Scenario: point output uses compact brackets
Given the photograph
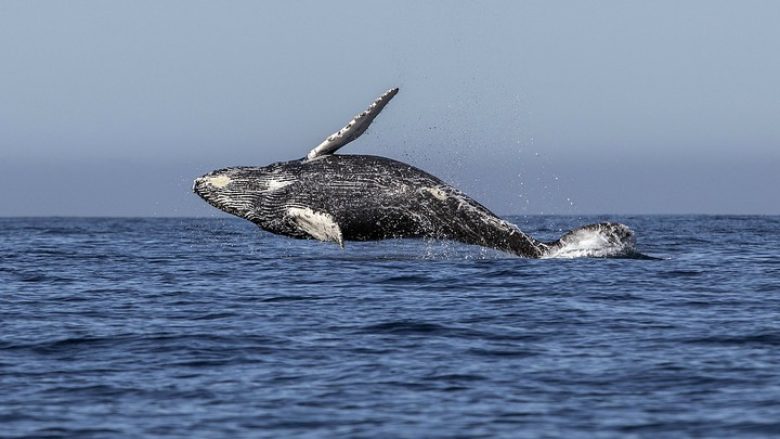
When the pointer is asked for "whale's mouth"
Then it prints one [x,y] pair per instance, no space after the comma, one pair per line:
[201,188]
[603,240]
[210,188]
[196,185]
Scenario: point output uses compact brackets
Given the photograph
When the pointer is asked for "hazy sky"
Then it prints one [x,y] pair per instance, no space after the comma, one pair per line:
[574,107]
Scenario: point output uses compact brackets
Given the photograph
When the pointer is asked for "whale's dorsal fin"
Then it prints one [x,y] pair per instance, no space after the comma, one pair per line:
[357,126]
[318,225]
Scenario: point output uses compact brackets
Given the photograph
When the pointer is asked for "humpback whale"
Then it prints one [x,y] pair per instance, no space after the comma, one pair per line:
[340,197]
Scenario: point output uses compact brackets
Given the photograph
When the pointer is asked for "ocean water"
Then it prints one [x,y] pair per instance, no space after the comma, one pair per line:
[213,328]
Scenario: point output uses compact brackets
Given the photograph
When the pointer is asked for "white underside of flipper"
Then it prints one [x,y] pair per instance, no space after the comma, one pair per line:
[318,225]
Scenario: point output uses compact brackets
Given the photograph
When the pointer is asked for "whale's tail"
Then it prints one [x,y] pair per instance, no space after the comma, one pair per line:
[602,240]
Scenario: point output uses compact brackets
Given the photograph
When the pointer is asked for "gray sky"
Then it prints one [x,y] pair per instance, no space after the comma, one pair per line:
[575,107]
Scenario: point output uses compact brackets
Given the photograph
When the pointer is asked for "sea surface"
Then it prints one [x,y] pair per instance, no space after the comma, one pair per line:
[198,328]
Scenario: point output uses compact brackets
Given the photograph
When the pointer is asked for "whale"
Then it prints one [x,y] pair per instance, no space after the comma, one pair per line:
[336,198]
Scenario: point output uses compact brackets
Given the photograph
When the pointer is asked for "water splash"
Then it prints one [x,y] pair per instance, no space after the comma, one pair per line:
[603,240]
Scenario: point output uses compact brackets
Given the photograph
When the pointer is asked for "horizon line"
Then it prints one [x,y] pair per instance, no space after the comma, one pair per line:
[217,216]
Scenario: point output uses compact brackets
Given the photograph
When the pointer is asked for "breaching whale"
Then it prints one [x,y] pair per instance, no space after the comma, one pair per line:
[336,197]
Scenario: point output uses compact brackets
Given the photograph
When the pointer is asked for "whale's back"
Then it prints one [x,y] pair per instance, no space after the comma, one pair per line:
[376,198]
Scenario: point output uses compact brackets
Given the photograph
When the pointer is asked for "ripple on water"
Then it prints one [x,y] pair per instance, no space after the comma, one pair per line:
[211,328]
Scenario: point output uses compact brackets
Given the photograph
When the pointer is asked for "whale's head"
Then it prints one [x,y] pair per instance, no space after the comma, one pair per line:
[246,192]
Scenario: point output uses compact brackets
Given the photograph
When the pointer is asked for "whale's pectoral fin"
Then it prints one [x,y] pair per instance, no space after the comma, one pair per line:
[318,225]
[357,126]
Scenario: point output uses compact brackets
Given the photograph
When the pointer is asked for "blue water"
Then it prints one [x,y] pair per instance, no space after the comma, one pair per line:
[212,328]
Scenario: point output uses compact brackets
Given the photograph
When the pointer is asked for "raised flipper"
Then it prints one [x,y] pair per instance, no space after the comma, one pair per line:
[318,225]
[357,126]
